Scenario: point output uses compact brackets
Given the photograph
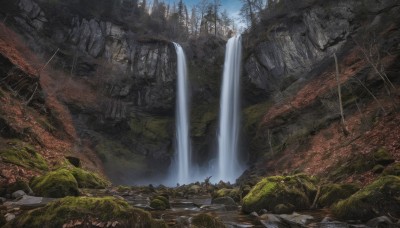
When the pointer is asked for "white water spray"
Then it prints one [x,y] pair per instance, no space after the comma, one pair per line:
[229,167]
[183,145]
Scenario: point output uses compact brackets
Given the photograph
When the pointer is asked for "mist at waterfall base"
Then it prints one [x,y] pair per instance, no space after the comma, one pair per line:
[226,165]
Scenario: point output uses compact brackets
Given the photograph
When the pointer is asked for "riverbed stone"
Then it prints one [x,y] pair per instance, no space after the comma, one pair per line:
[18,194]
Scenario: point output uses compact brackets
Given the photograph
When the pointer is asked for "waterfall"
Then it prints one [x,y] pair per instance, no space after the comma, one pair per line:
[229,167]
[183,146]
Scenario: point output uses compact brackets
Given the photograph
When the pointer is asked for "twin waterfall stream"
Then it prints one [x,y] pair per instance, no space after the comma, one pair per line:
[227,166]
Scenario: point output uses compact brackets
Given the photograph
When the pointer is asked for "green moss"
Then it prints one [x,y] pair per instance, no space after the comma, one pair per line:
[122,188]
[206,221]
[382,157]
[235,193]
[151,127]
[86,210]
[22,154]
[202,117]
[252,116]
[332,193]
[379,198]
[284,209]
[394,169]
[164,200]
[88,179]
[271,191]
[158,204]
[56,184]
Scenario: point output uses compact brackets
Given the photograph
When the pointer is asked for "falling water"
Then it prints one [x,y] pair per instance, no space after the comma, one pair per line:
[183,147]
[229,167]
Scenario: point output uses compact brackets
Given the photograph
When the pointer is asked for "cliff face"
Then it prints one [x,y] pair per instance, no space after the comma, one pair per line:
[119,86]
[296,126]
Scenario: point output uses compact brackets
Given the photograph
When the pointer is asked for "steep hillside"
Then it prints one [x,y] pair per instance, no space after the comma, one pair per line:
[298,126]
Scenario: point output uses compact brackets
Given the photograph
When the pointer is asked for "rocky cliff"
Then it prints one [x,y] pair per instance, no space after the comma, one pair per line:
[290,61]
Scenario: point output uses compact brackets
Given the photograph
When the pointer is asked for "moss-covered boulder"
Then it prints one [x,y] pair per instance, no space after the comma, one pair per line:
[87,211]
[206,221]
[86,179]
[22,154]
[158,204]
[379,198]
[164,200]
[56,184]
[393,169]
[234,193]
[332,193]
[298,190]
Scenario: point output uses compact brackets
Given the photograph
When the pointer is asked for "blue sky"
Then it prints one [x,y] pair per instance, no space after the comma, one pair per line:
[232,6]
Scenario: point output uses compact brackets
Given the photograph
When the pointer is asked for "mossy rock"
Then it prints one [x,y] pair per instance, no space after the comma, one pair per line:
[22,154]
[382,157]
[86,179]
[382,197]
[164,200]
[394,169]
[56,184]
[332,193]
[158,204]
[206,221]
[226,192]
[88,211]
[271,191]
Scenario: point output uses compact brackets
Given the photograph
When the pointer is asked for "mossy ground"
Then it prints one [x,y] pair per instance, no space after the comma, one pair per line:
[56,184]
[22,154]
[87,210]
[206,221]
[394,169]
[332,193]
[382,197]
[298,190]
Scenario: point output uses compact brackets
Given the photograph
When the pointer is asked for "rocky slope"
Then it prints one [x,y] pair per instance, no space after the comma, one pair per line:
[297,127]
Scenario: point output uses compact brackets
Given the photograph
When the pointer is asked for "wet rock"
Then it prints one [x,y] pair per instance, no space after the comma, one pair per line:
[272,221]
[213,207]
[382,221]
[18,194]
[284,208]
[9,217]
[229,203]
[296,219]
[254,214]
[2,200]
[29,202]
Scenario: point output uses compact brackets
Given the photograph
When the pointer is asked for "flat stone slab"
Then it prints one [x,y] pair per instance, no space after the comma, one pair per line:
[30,202]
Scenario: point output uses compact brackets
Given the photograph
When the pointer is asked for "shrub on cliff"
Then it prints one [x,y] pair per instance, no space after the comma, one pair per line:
[382,197]
[298,190]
